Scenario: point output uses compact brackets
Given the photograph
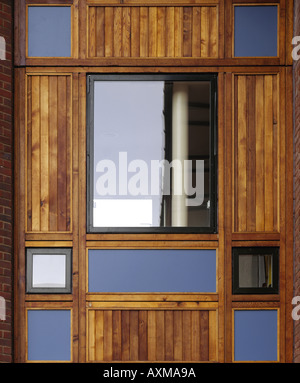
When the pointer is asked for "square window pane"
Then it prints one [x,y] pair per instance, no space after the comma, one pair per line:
[49,335]
[152,153]
[255,335]
[48,270]
[255,270]
[255,31]
[49,31]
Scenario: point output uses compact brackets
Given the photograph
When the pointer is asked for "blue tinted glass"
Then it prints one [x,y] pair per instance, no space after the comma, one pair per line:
[49,335]
[255,31]
[152,271]
[49,31]
[255,335]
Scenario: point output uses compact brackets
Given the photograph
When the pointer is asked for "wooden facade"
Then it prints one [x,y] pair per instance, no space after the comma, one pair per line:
[255,174]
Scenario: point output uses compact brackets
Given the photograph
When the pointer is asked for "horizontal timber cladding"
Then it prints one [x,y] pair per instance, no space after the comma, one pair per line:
[152,335]
[256,153]
[153,31]
[49,148]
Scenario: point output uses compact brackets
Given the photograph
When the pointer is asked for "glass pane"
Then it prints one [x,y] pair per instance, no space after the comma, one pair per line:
[255,271]
[49,270]
[152,151]
[49,335]
[49,31]
[255,335]
[255,31]
[152,271]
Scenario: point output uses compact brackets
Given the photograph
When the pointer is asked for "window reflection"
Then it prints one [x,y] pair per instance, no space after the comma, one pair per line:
[152,154]
[255,271]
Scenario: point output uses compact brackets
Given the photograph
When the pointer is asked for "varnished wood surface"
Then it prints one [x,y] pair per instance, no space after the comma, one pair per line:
[152,335]
[255,174]
[152,31]
[49,153]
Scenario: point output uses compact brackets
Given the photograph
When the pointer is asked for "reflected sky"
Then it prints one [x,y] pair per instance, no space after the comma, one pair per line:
[129,118]
[134,126]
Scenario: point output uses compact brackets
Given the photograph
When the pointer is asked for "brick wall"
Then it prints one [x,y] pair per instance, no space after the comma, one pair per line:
[297,178]
[6,179]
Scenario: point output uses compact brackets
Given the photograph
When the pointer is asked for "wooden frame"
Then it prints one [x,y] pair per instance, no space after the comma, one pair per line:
[228,68]
[80,54]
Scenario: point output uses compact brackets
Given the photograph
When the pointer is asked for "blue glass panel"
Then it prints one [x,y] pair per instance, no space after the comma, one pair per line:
[49,31]
[255,335]
[255,31]
[152,271]
[49,335]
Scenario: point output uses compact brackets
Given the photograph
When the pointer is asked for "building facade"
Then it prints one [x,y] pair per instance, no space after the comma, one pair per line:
[103,256]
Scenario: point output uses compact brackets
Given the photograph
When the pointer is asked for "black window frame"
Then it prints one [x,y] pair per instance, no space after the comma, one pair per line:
[29,271]
[236,252]
[212,78]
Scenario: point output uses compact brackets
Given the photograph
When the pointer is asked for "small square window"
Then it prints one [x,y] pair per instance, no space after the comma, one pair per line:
[48,270]
[152,165]
[255,31]
[255,270]
[49,31]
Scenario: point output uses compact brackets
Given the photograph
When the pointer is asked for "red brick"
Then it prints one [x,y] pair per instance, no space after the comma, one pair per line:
[6,187]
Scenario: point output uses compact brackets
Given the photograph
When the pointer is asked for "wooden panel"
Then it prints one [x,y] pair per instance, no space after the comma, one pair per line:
[152,335]
[153,31]
[256,153]
[49,153]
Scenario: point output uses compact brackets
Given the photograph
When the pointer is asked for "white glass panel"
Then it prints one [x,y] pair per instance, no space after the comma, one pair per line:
[49,270]
[122,212]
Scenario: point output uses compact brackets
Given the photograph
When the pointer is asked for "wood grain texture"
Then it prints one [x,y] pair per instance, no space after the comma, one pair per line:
[49,153]
[152,335]
[256,153]
[156,31]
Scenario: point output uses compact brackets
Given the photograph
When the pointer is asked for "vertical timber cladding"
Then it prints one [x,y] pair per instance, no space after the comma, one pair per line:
[49,148]
[187,36]
[256,153]
[152,335]
[152,31]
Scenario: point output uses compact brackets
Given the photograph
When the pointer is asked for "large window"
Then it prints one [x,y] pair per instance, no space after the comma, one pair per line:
[151,153]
